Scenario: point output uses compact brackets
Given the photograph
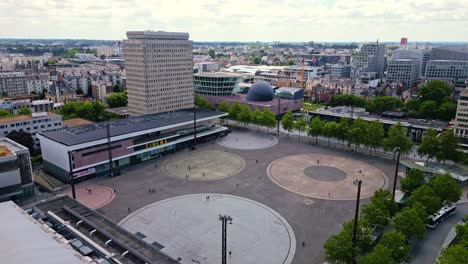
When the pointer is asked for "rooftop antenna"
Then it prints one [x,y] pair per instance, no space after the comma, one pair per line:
[377,40]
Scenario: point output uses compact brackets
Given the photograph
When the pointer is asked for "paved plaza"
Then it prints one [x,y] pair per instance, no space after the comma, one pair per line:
[93,197]
[204,166]
[245,139]
[188,227]
[312,220]
[326,176]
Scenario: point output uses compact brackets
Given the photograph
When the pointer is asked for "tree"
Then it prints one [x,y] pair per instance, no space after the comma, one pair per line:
[224,107]
[427,197]
[396,243]
[315,128]
[212,54]
[339,247]
[79,90]
[380,255]
[24,111]
[256,60]
[357,134]
[435,90]
[300,125]
[409,223]
[234,111]
[412,105]
[117,99]
[462,233]
[427,109]
[347,100]
[23,138]
[202,102]
[116,88]
[329,130]
[455,254]
[375,135]
[413,180]
[396,137]
[385,197]
[446,188]
[375,213]
[287,122]
[430,144]
[4,94]
[245,115]
[4,113]
[447,111]
[342,129]
[269,118]
[449,145]
[381,104]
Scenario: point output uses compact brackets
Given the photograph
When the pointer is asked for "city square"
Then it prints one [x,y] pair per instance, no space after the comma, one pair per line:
[312,217]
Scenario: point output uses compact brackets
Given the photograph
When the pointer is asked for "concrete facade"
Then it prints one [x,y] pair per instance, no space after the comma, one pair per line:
[340,71]
[13,83]
[448,70]
[370,58]
[450,53]
[403,71]
[159,68]
[422,55]
[461,119]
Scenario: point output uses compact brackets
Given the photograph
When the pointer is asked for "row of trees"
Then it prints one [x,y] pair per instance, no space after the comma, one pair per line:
[21,111]
[442,147]
[91,110]
[425,199]
[434,101]
[243,114]
[117,99]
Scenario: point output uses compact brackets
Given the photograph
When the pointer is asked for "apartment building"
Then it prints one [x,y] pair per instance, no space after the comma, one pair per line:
[159,68]
[13,83]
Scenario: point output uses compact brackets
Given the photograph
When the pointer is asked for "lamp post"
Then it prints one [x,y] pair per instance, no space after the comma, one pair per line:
[109,149]
[396,171]
[224,220]
[356,216]
[278,116]
[72,178]
[194,128]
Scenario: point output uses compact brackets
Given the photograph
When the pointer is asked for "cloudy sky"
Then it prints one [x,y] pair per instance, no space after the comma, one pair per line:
[239,20]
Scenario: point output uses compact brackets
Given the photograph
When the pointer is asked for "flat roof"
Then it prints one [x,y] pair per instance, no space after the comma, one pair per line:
[25,241]
[82,134]
[76,122]
[218,74]
[12,119]
[10,145]
[289,89]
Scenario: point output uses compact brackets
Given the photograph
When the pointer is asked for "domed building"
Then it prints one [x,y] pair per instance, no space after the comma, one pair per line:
[260,91]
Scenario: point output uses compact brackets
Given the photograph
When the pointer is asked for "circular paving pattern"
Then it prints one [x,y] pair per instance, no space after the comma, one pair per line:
[204,165]
[93,197]
[326,176]
[188,227]
[247,140]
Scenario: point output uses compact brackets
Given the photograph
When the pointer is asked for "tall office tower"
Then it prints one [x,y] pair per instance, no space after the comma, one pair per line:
[370,58]
[422,55]
[448,70]
[159,68]
[403,71]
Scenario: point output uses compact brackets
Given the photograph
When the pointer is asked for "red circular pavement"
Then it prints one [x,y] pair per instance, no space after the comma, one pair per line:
[93,197]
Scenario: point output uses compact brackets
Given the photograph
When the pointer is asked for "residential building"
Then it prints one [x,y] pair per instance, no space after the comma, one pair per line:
[207,66]
[33,105]
[403,71]
[16,178]
[340,71]
[450,52]
[422,55]
[100,89]
[34,123]
[38,82]
[84,57]
[107,51]
[13,83]
[369,59]
[461,119]
[159,67]
[216,83]
[133,140]
[448,70]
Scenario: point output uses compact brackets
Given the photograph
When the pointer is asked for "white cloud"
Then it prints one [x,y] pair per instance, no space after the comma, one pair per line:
[239,20]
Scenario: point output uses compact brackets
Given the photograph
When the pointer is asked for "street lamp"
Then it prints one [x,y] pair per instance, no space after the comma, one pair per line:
[278,116]
[194,128]
[225,219]
[356,216]
[396,170]
[72,178]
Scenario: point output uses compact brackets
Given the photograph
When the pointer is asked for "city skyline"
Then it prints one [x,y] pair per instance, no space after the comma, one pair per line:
[243,21]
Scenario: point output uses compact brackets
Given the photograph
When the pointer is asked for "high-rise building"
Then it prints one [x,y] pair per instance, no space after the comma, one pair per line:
[340,71]
[403,42]
[370,58]
[459,53]
[217,83]
[403,71]
[448,70]
[159,69]
[422,55]
[461,119]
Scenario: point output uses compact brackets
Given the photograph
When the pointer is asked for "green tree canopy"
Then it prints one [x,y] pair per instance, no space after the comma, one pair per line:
[435,90]
[202,102]
[342,129]
[430,144]
[396,243]
[375,134]
[446,188]
[381,104]
[79,90]
[380,255]
[300,125]
[269,118]
[413,180]
[427,109]
[412,105]
[116,88]
[347,100]
[316,128]
[117,100]
[245,115]
[357,134]
[23,138]
[462,233]
[91,110]
[410,223]
[287,122]
[5,113]
[24,111]
[449,144]
[234,111]
[224,107]
[447,111]
[375,213]
[455,254]
[396,137]
[427,197]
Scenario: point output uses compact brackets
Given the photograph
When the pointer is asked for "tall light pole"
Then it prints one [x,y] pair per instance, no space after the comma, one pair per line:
[109,149]
[278,116]
[356,216]
[224,220]
[72,178]
[396,171]
[194,128]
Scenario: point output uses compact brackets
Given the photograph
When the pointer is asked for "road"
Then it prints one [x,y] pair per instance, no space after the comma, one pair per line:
[425,251]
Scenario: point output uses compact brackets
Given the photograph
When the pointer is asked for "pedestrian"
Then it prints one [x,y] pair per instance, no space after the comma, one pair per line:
[237,185]
[229,253]
[129,210]
[256,161]
[89,191]
[329,194]
[203,174]
[114,191]
[360,171]
[303,243]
